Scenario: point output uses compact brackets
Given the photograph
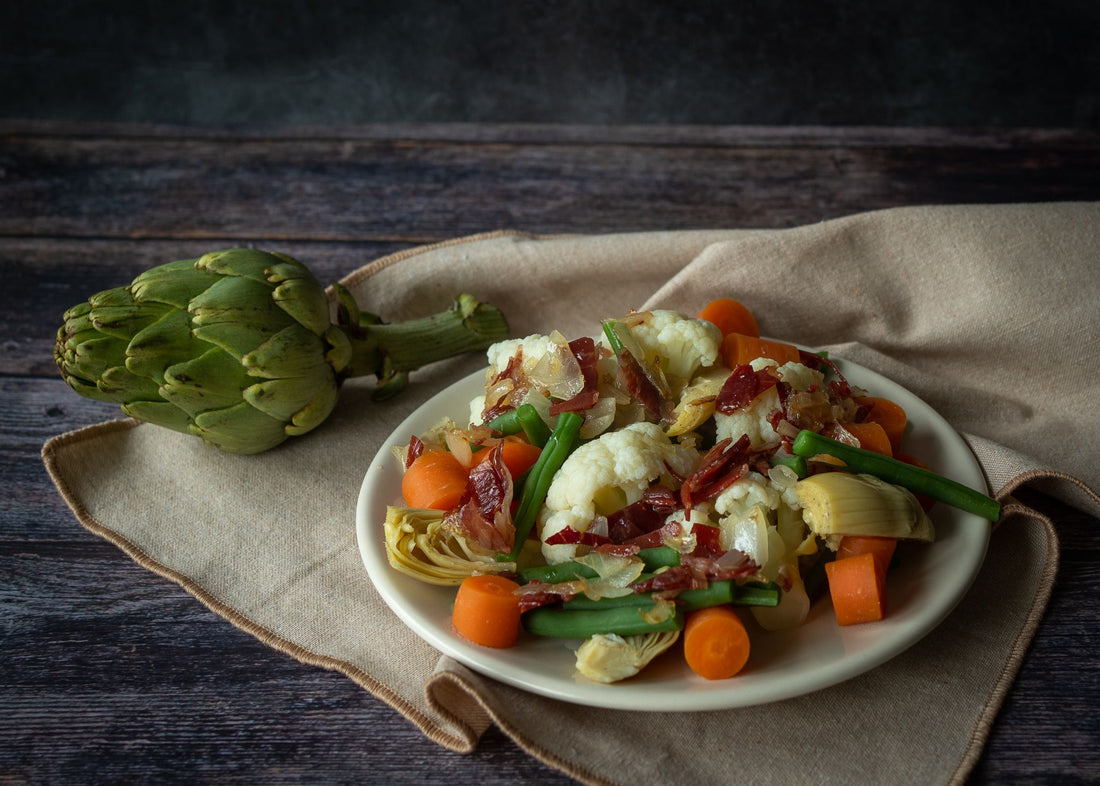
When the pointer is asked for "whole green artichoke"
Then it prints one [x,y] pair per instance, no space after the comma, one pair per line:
[238,348]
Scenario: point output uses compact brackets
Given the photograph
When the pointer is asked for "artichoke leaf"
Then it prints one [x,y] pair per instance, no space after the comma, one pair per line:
[160,413]
[119,384]
[292,352]
[314,413]
[236,300]
[93,391]
[118,296]
[284,398]
[238,429]
[80,311]
[162,344]
[248,263]
[124,320]
[236,339]
[340,351]
[77,321]
[302,298]
[213,380]
[114,385]
[89,356]
[173,283]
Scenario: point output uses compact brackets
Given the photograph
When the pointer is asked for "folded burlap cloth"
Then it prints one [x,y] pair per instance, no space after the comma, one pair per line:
[988,313]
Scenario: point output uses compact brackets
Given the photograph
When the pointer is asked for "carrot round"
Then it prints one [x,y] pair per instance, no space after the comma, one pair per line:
[731,316]
[486,611]
[871,436]
[436,479]
[716,644]
[887,414]
[739,349]
[858,589]
[517,456]
[881,547]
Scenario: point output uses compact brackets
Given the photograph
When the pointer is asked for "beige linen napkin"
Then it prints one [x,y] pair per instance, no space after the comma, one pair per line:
[986,312]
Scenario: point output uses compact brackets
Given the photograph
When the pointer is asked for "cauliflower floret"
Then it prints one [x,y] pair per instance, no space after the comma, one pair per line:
[683,344]
[746,520]
[606,474]
[534,347]
[759,515]
[547,370]
[753,419]
[800,377]
[751,490]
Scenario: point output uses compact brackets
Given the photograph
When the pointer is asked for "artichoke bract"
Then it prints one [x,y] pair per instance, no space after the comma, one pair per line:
[238,347]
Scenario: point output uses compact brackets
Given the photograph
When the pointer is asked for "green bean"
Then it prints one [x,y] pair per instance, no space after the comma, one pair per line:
[652,560]
[610,329]
[523,418]
[659,557]
[717,593]
[916,479]
[554,453]
[585,603]
[624,621]
[751,593]
[506,423]
[552,574]
[815,579]
[797,463]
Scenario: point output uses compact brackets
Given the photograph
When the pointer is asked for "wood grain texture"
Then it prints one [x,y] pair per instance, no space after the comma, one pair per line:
[416,191]
[112,674]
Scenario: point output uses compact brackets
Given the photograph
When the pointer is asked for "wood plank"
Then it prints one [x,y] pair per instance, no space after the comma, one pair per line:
[409,191]
[151,686]
[650,134]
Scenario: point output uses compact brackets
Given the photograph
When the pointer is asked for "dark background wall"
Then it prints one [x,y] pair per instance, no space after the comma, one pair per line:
[760,62]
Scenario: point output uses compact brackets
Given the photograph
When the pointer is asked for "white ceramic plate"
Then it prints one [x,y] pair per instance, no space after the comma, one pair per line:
[922,590]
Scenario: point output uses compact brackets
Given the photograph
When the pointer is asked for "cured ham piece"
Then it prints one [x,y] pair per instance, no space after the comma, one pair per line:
[484,513]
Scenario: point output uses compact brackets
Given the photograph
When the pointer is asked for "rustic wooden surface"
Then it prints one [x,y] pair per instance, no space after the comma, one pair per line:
[112,674]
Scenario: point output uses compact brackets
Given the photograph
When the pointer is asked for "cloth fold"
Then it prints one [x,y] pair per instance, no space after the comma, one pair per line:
[985,312]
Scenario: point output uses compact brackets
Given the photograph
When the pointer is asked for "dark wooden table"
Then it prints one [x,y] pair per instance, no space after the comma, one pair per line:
[112,674]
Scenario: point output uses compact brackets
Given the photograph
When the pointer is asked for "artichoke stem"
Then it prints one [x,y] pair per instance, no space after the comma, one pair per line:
[390,350]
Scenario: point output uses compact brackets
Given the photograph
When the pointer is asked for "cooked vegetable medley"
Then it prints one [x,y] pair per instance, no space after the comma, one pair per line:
[655,489]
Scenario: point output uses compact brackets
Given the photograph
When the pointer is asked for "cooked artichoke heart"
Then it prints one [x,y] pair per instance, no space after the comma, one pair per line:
[697,402]
[611,658]
[835,504]
[419,544]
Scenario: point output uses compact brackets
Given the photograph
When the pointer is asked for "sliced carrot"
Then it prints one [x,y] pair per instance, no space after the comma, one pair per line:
[881,547]
[739,349]
[517,456]
[857,588]
[731,316]
[871,436]
[487,611]
[716,644]
[436,479]
[887,414]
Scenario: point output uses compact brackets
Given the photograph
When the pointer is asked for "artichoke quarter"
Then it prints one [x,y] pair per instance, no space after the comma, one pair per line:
[238,347]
